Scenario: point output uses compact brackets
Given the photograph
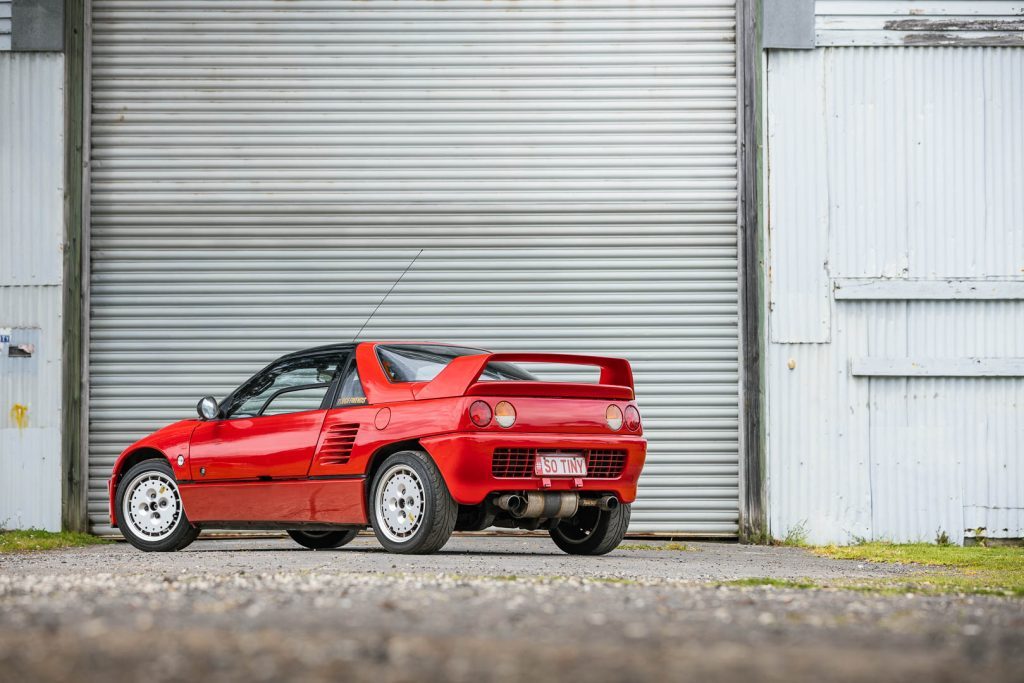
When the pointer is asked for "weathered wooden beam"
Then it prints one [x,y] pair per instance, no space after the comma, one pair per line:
[753,518]
[74,482]
[956,23]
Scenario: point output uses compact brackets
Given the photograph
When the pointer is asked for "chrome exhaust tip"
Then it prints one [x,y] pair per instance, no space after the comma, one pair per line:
[510,502]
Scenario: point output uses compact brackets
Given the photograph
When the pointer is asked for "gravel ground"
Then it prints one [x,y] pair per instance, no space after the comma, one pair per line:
[266,610]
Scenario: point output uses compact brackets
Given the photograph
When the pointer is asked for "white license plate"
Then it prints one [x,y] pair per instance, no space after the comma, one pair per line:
[560,466]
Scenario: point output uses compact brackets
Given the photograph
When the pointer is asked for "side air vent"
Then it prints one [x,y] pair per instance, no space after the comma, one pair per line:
[337,446]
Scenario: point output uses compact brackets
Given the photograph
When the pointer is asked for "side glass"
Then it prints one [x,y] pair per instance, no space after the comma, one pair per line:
[351,390]
[300,400]
[288,387]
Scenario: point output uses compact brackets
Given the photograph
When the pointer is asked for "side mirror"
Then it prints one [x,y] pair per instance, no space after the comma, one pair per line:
[208,408]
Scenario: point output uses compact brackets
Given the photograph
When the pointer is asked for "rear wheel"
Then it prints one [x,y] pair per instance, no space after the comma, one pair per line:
[592,531]
[150,512]
[322,540]
[410,508]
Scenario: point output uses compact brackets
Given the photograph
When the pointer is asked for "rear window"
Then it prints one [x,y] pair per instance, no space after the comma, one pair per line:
[422,363]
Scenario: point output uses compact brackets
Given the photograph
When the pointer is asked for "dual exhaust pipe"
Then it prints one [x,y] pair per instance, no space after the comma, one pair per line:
[551,505]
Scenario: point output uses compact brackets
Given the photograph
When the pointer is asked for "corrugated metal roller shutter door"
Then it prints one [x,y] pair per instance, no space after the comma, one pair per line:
[263,171]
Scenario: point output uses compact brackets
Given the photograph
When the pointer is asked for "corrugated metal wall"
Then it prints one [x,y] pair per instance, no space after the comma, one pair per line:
[31,235]
[5,25]
[263,171]
[894,195]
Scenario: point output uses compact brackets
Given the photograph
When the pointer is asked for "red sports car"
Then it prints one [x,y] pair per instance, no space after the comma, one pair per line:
[415,440]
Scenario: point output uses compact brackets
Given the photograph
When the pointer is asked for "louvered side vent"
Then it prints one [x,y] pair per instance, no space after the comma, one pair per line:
[337,446]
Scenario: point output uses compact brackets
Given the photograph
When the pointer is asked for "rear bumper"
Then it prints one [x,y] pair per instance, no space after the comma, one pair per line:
[465,460]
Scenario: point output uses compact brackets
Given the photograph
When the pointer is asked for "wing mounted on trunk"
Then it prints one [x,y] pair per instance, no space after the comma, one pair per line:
[461,378]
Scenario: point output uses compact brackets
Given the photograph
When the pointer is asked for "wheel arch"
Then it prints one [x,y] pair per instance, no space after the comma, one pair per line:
[133,458]
[382,454]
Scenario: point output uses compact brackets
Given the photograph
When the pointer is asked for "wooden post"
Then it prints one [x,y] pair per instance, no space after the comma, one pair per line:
[74,481]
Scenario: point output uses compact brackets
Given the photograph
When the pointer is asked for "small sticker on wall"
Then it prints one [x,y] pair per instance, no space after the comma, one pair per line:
[5,339]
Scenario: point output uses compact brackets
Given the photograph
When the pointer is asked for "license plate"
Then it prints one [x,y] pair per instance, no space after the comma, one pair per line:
[560,466]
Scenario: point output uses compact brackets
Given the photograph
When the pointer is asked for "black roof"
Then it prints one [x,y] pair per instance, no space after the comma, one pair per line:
[347,347]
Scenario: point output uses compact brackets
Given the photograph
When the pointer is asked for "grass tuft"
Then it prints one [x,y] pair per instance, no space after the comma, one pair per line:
[796,537]
[977,569]
[775,583]
[28,540]
[668,547]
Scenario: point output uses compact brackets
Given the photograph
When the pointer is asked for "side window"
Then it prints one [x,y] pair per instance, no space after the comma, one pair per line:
[351,391]
[297,401]
[289,387]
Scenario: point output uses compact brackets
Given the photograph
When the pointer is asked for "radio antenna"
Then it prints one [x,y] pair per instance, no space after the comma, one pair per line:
[387,295]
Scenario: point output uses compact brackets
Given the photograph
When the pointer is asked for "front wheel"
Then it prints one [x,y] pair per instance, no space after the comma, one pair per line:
[152,517]
[322,540]
[592,531]
[411,510]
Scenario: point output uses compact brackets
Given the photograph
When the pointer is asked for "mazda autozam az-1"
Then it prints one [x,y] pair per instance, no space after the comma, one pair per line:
[415,440]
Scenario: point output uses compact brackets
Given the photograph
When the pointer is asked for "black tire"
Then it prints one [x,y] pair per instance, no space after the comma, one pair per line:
[179,534]
[322,540]
[592,531]
[434,519]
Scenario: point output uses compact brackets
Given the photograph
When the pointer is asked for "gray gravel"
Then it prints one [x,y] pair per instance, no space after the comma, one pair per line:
[264,610]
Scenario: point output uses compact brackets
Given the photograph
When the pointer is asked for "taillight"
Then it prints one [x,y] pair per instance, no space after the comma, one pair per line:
[505,414]
[614,417]
[632,418]
[480,413]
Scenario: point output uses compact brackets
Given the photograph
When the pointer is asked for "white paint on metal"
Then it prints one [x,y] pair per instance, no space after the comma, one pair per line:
[798,284]
[875,289]
[937,367]
[925,158]
[31,233]
[262,172]
[946,23]
[5,25]
[31,169]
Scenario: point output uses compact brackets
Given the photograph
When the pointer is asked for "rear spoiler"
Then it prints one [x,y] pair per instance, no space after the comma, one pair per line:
[460,377]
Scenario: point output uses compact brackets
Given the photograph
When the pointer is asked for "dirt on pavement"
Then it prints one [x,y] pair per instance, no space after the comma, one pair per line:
[484,609]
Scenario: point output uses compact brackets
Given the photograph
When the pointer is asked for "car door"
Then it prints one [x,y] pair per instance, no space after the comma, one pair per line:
[271,423]
[347,429]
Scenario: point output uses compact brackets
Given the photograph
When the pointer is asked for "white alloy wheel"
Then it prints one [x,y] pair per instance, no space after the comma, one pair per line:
[151,506]
[400,502]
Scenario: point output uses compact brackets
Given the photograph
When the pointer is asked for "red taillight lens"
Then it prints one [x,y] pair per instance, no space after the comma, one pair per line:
[614,417]
[632,418]
[480,413]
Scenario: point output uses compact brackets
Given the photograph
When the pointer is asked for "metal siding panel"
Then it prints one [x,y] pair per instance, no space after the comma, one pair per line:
[31,232]
[30,454]
[798,278]
[922,155]
[5,25]
[31,168]
[261,174]
[911,114]
[818,428]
